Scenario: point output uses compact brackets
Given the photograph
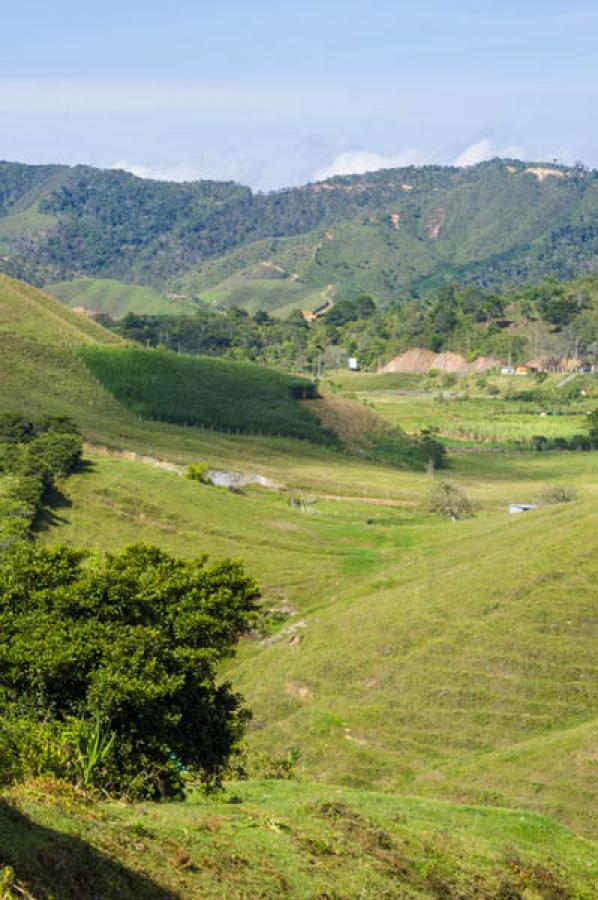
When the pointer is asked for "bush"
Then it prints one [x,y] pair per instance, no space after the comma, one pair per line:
[451,501]
[557,494]
[198,472]
[32,456]
[124,650]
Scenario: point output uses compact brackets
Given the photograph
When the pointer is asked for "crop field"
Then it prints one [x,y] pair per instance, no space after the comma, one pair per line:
[465,416]
[212,393]
[476,421]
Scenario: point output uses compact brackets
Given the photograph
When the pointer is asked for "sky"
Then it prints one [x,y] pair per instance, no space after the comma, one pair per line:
[279,93]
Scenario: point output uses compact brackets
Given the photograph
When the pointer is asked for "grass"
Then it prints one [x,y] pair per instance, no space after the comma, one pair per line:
[208,392]
[443,663]
[31,315]
[116,299]
[265,838]
[278,296]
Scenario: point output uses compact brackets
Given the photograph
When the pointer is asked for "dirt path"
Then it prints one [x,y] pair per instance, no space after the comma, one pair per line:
[371,501]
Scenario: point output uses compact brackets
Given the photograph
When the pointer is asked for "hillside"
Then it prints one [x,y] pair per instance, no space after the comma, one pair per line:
[267,838]
[108,296]
[391,232]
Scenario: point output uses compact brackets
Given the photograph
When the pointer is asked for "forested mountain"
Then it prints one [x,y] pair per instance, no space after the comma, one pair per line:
[392,232]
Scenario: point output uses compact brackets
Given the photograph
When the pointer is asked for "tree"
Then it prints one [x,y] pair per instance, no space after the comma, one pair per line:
[131,642]
[450,501]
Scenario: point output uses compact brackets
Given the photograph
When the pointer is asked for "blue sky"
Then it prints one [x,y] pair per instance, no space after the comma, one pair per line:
[279,93]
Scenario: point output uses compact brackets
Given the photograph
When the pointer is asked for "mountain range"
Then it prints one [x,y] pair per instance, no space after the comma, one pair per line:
[389,233]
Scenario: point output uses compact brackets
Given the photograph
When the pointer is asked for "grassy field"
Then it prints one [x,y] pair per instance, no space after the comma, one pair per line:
[207,392]
[278,296]
[31,315]
[265,838]
[465,415]
[115,298]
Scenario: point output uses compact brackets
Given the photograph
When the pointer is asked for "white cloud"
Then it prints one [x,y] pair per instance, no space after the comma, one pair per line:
[176,172]
[356,162]
[486,149]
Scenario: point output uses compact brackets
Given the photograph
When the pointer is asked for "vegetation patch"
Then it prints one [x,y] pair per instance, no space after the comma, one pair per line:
[206,392]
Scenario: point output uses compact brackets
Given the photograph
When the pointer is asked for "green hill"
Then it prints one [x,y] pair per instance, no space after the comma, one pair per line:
[388,233]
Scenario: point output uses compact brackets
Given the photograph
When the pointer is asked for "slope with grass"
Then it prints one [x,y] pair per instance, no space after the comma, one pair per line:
[265,838]
[116,299]
[400,663]
[402,653]
[443,660]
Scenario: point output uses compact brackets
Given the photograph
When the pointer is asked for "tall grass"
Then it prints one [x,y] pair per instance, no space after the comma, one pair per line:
[213,393]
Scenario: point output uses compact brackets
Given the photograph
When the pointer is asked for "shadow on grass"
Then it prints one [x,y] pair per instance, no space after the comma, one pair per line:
[49,515]
[55,500]
[52,864]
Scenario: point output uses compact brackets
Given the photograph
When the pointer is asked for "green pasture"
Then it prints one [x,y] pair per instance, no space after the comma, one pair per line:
[451,642]
[451,663]
[278,296]
[116,299]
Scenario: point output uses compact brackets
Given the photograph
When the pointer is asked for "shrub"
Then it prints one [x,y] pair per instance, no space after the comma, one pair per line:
[33,455]
[198,472]
[125,650]
[557,494]
[449,500]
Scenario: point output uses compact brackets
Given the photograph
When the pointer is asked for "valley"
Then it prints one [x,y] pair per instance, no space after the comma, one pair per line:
[423,691]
